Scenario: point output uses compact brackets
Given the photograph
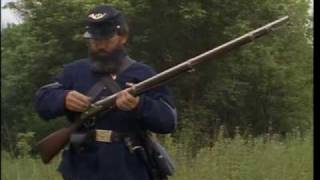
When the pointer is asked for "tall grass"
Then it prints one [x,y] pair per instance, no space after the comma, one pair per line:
[261,158]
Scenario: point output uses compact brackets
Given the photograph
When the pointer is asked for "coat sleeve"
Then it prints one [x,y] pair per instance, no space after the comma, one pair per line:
[156,109]
[50,98]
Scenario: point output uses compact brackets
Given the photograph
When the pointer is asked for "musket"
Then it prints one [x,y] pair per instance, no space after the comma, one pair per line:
[51,145]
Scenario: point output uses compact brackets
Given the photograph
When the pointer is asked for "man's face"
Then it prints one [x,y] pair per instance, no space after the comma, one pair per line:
[106,54]
[107,45]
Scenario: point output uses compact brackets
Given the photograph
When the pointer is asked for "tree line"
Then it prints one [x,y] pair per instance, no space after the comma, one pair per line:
[262,87]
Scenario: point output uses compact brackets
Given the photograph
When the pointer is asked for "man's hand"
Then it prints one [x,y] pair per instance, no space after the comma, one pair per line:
[75,101]
[125,101]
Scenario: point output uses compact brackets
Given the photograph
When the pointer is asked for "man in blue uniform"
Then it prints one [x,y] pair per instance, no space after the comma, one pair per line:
[77,86]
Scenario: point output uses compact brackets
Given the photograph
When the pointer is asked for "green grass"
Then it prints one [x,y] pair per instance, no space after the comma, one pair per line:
[263,158]
[249,159]
[27,168]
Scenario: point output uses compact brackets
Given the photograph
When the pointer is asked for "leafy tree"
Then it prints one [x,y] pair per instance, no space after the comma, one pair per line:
[266,84]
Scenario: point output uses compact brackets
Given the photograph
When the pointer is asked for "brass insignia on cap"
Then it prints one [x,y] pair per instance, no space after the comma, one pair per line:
[97,16]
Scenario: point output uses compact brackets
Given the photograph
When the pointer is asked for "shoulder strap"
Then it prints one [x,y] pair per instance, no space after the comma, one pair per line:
[97,88]
[108,82]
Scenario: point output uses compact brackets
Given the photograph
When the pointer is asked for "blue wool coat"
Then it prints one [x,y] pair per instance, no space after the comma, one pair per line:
[111,161]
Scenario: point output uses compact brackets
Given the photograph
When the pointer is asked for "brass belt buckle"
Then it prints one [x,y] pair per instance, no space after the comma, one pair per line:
[103,135]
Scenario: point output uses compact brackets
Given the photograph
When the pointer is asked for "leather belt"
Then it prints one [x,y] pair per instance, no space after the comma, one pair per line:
[108,136]
[81,141]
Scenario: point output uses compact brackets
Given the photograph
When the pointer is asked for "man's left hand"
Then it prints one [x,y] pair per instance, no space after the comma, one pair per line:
[125,101]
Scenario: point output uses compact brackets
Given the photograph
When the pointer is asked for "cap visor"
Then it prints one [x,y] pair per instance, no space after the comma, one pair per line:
[88,35]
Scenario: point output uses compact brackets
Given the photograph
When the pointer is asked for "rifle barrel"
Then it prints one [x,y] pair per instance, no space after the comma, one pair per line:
[190,63]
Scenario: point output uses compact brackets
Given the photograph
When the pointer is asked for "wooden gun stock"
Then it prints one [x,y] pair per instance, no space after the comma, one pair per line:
[51,145]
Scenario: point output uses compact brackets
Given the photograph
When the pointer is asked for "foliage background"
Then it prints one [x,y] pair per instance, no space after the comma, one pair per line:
[262,87]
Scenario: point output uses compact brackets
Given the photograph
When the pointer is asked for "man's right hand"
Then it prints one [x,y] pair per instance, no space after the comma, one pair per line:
[75,101]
